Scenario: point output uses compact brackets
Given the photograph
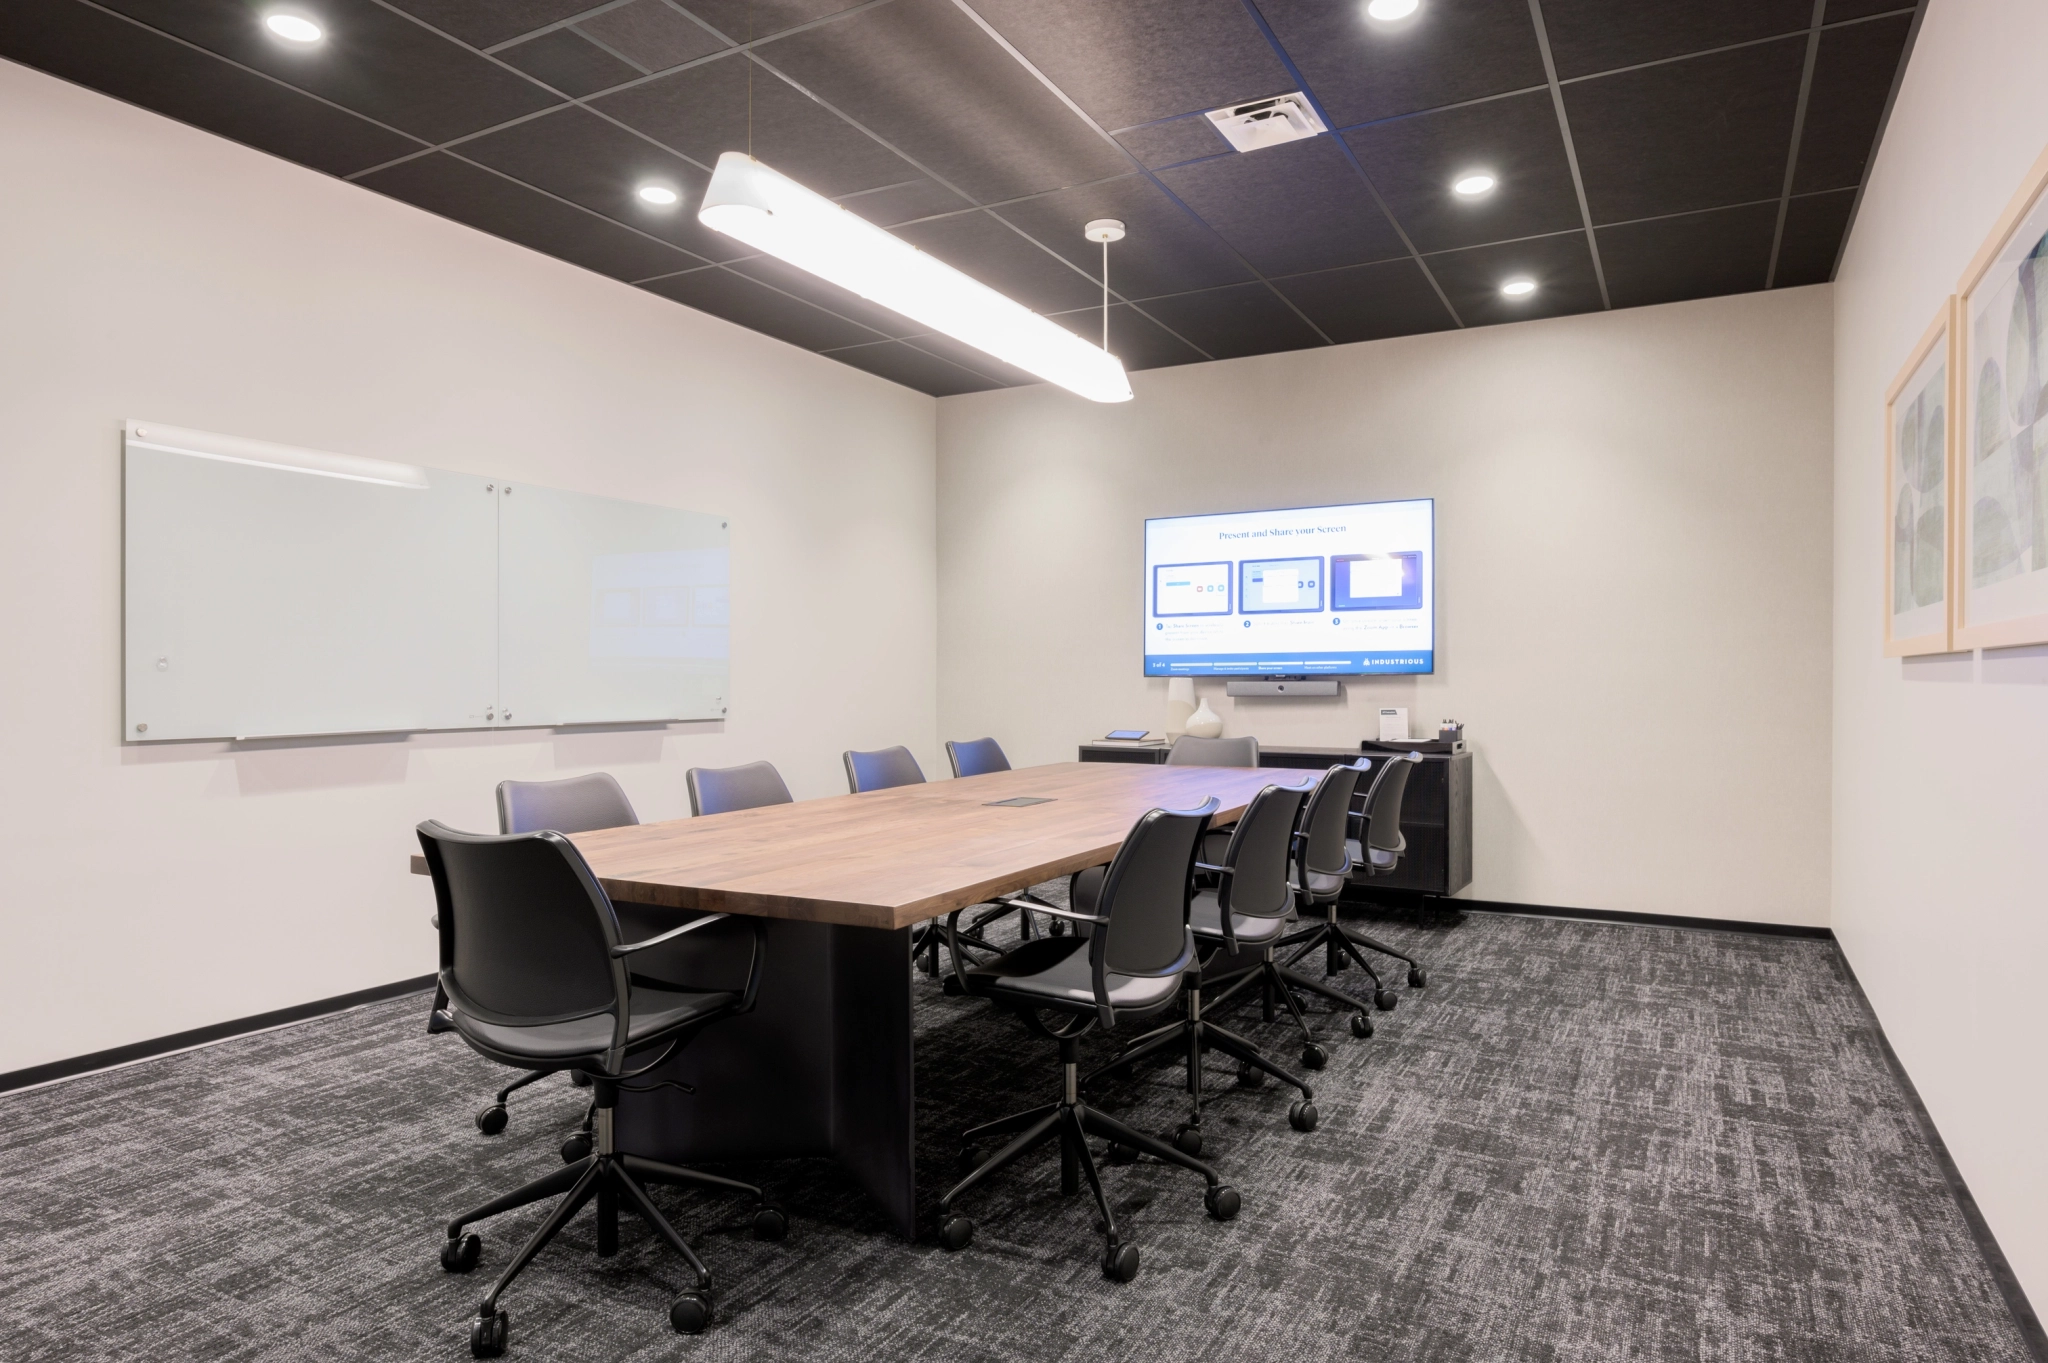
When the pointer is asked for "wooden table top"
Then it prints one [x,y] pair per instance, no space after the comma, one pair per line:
[891,858]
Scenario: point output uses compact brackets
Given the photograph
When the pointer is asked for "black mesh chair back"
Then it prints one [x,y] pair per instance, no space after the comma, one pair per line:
[576,805]
[1325,825]
[1382,840]
[976,757]
[719,790]
[1260,850]
[526,931]
[1145,894]
[890,767]
[1189,751]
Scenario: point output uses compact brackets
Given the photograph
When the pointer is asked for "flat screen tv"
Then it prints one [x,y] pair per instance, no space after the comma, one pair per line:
[1311,591]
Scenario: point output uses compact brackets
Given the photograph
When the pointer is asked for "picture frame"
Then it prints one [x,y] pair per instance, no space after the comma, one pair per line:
[1919,495]
[2001,429]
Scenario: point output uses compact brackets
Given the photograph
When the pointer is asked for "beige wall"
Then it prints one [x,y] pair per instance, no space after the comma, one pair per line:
[1633,550]
[149,270]
[1941,764]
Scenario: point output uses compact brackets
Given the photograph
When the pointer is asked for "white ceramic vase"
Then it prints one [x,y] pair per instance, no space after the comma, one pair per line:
[1180,703]
[1204,722]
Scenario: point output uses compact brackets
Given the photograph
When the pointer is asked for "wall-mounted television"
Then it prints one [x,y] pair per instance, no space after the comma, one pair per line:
[1309,591]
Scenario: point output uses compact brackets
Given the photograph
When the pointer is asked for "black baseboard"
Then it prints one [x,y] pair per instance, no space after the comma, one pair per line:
[1411,899]
[1980,1230]
[199,1036]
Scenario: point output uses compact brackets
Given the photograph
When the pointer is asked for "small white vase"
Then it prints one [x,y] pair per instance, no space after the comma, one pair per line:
[1204,722]
[1180,703]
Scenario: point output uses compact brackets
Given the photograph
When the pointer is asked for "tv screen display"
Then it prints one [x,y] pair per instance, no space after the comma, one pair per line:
[1312,591]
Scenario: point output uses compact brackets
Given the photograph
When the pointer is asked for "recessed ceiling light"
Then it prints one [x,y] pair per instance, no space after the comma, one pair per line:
[661,196]
[294,28]
[1519,288]
[1472,186]
[1387,10]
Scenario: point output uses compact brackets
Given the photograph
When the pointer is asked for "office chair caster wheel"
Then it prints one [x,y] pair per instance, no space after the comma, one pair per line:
[1314,1057]
[1417,977]
[1188,1139]
[955,1232]
[579,1079]
[1119,1153]
[770,1223]
[576,1147]
[1222,1202]
[1361,1025]
[1120,1263]
[492,1119]
[1250,1076]
[951,985]
[1056,928]
[1385,999]
[690,1312]
[460,1255]
[487,1335]
[1300,1003]
[1303,1116]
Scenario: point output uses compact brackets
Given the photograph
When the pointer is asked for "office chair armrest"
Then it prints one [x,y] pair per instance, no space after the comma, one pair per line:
[628,948]
[1219,870]
[1062,913]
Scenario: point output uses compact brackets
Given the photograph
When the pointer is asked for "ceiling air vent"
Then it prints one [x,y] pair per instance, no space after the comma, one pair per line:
[1267,122]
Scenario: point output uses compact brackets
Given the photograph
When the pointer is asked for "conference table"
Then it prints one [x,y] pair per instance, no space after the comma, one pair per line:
[823,1066]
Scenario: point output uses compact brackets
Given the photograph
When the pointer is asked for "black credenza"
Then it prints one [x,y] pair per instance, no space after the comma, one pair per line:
[1436,811]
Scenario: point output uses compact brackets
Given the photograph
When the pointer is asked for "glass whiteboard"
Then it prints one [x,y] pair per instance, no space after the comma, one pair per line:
[272,592]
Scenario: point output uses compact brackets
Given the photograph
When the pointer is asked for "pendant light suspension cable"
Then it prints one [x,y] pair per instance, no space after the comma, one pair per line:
[1104,230]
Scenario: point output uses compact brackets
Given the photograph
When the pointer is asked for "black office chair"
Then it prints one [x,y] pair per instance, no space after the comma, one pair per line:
[1130,965]
[538,978]
[1378,846]
[1249,908]
[976,757]
[719,790]
[575,805]
[1325,862]
[1190,751]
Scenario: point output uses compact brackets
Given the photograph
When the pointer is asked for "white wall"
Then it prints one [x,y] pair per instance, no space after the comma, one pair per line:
[1941,765]
[1633,540]
[153,271]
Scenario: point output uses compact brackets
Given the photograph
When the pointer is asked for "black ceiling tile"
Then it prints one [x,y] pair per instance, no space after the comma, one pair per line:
[490,203]
[970,358]
[913,368]
[1164,250]
[1413,162]
[1369,302]
[922,75]
[1598,35]
[984,249]
[129,62]
[1852,79]
[760,308]
[652,33]
[1242,319]
[1814,226]
[1451,50]
[565,60]
[702,112]
[574,153]
[1562,267]
[782,275]
[1170,143]
[1839,10]
[1702,133]
[1289,209]
[1700,255]
[1134,338]
[1143,59]
[734,18]
[483,23]
[373,61]
[893,204]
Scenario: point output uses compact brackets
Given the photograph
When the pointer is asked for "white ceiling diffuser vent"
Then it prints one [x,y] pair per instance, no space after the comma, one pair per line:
[1267,122]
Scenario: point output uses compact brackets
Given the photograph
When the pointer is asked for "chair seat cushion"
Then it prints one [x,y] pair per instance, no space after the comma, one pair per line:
[1205,916]
[1055,971]
[655,1013]
[1379,858]
[1322,886]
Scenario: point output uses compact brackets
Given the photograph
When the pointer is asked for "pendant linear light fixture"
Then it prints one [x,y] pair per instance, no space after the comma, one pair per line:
[773,213]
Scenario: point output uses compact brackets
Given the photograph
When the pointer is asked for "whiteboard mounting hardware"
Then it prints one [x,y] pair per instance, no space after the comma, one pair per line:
[1268,122]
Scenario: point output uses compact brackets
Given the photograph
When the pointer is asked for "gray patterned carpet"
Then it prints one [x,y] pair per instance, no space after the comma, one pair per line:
[1582,1142]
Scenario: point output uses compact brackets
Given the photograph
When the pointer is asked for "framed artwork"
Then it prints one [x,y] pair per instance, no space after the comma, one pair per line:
[2001,522]
[1919,472]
